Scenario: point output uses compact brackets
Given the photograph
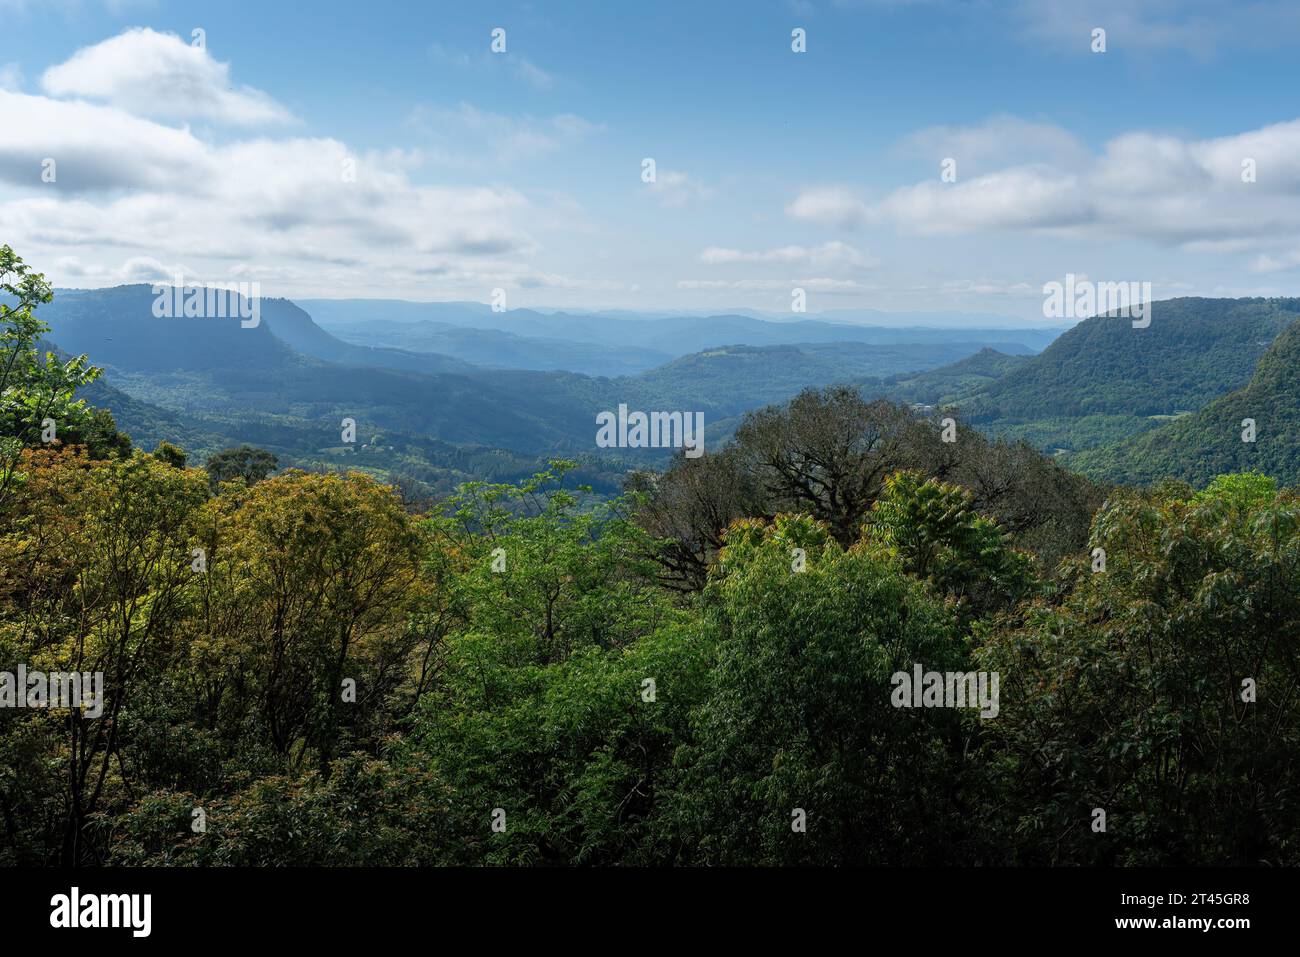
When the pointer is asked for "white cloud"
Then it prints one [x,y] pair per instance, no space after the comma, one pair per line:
[135,199]
[1022,198]
[160,75]
[128,187]
[1001,140]
[819,283]
[990,287]
[828,255]
[830,206]
[676,189]
[1203,28]
[1129,24]
[1159,188]
[485,62]
[148,269]
[1266,263]
[283,198]
[95,147]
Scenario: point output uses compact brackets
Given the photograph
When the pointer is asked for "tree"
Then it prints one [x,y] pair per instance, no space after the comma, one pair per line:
[542,706]
[934,529]
[798,716]
[688,508]
[98,578]
[246,462]
[310,581]
[827,454]
[1162,688]
[37,391]
[544,565]
[171,454]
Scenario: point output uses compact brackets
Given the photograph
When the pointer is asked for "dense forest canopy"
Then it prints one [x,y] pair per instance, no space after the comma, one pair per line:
[308,668]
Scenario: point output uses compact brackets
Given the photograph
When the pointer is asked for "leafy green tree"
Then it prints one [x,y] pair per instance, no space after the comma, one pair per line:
[799,715]
[827,453]
[577,754]
[1161,688]
[543,565]
[567,681]
[1242,491]
[935,530]
[37,391]
[367,813]
[171,454]
[246,462]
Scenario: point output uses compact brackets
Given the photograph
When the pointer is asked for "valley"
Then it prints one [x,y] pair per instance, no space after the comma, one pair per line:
[438,419]
[286,384]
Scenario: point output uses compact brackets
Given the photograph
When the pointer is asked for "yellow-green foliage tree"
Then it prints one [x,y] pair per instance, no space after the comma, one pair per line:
[311,581]
[95,558]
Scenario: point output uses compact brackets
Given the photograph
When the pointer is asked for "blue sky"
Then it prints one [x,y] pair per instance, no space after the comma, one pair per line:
[522,170]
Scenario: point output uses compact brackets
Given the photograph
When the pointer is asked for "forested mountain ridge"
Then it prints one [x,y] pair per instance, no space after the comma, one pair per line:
[1193,350]
[1197,447]
[216,368]
[118,325]
[950,383]
[1104,380]
[737,378]
[287,384]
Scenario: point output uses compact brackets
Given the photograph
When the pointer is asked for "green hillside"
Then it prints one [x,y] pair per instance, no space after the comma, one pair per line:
[736,378]
[1103,380]
[430,464]
[287,384]
[952,382]
[148,424]
[1198,447]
